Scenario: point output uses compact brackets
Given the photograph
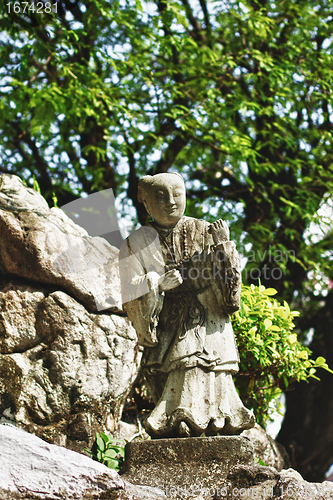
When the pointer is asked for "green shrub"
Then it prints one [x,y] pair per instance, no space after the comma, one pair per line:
[271,357]
[108,451]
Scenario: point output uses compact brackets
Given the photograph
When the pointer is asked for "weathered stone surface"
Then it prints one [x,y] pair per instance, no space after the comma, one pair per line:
[45,246]
[34,469]
[18,309]
[15,195]
[266,448]
[64,372]
[266,483]
[127,431]
[185,464]
[135,492]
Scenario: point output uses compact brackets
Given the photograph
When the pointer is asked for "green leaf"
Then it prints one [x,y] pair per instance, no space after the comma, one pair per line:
[106,438]
[110,454]
[270,291]
[267,323]
[100,442]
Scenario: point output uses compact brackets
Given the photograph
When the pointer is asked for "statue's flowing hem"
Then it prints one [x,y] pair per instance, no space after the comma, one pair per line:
[207,404]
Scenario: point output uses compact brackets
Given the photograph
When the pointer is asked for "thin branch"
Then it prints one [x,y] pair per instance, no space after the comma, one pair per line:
[207,22]
[196,26]
[174,148]
[41,69]
[40,163]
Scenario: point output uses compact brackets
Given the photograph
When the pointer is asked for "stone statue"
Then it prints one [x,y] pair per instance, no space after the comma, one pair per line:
[180,282]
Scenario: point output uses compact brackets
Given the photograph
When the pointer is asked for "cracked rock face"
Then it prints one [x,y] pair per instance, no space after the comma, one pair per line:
[44,246]
[65,369]
[33,469]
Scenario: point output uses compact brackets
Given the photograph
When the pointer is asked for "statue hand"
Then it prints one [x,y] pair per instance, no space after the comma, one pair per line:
[170,280]
[220,231]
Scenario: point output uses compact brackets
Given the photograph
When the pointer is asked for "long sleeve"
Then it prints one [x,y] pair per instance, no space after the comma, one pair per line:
[141,298]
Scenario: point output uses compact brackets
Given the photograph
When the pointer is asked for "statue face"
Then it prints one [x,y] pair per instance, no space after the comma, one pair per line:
[166,199]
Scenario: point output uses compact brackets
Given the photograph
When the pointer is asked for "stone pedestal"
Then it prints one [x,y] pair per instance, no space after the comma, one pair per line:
[185,466]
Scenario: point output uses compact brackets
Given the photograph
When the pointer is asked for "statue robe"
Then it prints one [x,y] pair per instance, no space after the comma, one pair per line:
[190,351]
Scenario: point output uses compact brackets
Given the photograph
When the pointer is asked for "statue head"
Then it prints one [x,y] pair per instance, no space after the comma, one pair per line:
[164,197]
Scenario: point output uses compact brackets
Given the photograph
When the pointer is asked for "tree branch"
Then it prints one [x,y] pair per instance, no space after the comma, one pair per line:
[168,156]
[196,26]
[207,22]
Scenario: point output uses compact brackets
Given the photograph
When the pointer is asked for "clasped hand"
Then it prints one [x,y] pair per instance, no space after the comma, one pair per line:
[170,280]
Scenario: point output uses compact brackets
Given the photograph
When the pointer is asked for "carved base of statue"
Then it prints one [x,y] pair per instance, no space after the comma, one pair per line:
[186,468]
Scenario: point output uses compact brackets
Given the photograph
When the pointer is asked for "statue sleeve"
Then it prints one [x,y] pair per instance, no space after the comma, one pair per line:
[226,276]
[141,298]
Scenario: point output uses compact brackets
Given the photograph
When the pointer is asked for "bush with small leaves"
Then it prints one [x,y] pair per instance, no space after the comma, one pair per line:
[271,357]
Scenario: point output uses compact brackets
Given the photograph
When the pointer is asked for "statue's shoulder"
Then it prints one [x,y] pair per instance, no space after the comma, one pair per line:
[195,224]
[138,240]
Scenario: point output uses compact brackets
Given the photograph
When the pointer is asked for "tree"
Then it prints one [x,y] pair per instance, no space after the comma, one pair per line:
[235,96]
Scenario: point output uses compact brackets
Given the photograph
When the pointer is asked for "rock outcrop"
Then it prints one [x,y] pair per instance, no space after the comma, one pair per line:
[68,356]
[266,448]
[45,246]
[33,469]
[266,483]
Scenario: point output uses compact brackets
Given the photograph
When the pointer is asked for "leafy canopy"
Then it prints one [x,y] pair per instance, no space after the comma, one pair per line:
[237,96]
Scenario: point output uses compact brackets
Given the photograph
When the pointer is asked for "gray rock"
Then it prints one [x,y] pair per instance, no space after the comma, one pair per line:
[19,304]
[128,431]
[135,492]
[32,468]
[35,470]
[15,195]
[70,370]
[266,483]
[66,364]
[266,448]
[45,246]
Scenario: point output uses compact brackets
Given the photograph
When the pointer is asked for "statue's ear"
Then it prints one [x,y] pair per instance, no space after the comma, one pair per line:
[143,186]
[146,206]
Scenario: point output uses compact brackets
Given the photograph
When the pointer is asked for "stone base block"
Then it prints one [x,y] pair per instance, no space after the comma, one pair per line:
[185,466]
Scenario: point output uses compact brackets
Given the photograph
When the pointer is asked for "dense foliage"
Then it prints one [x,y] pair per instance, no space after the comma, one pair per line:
[236,95]
[271,357]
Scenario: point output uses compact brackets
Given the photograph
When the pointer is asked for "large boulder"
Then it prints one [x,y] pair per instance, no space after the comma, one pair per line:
[45,246]
[65,368]
[33,469]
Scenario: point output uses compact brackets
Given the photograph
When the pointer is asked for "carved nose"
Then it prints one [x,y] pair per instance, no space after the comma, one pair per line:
[171,200]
